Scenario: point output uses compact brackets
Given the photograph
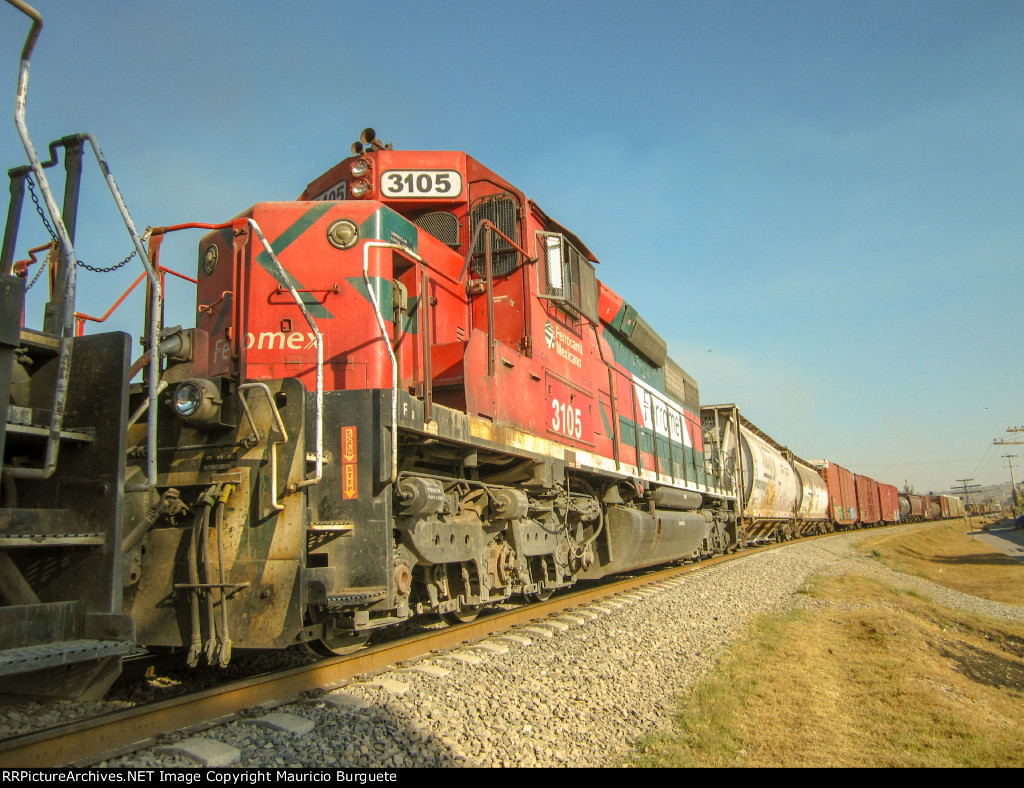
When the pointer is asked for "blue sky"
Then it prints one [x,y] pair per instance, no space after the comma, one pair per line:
[817,204]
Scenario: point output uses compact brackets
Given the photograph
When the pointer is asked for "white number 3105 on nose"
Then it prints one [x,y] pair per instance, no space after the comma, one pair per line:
[421,183]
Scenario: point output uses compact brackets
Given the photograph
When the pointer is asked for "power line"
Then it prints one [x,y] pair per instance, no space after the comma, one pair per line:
[933,462]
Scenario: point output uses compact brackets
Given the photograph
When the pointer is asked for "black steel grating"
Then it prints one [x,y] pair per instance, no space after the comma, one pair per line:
[502,211]
[648,343]
[681,387]
[443,225]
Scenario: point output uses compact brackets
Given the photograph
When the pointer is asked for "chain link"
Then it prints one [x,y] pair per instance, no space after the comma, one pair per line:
[53,235]
[35,278]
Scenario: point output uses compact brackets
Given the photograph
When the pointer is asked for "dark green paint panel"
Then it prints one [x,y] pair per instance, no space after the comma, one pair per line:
[390,227]
[282,242]
[634,363]
[693,460]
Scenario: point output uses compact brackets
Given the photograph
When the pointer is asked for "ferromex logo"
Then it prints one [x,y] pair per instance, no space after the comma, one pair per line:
[280,340]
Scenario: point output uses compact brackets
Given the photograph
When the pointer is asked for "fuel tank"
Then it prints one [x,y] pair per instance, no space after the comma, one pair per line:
[635,538]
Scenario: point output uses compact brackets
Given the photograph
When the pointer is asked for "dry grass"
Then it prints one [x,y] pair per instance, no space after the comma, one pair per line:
[946,554]
[870,676]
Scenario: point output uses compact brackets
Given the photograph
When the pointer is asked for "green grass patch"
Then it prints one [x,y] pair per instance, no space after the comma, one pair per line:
[870,677]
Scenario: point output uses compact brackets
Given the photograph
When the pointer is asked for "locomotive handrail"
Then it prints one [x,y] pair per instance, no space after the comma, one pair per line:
[273,444]
[68,316]
[387,343]
[476,236]
[319,360]
[65,347]
[82,317]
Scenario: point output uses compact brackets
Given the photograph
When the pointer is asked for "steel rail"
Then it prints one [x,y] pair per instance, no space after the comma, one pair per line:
[87,742]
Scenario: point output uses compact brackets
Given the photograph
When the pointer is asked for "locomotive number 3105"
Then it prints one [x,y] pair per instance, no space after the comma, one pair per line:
[421,183]
[566,419]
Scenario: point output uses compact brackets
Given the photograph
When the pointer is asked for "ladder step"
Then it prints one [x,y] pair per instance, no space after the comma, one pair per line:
[40,340]
[44,528]
[65,652]
[77,436]
[8,541]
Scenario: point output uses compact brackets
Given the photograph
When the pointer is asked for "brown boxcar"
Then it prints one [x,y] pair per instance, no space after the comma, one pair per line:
[867,500]
[889,500]
[842,493]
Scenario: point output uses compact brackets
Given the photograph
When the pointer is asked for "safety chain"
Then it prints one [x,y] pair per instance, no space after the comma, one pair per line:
[35,278]
[53,235]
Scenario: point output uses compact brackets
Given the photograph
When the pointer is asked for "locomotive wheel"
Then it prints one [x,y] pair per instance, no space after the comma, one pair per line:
[540,596]
[465,615]
[339,644]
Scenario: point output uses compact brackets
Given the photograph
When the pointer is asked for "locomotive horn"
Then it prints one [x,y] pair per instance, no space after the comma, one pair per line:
[369,139]
[357,148]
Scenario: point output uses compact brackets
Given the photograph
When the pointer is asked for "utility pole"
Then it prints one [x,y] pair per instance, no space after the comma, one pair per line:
[1013,486]
[998,442]
[967,501]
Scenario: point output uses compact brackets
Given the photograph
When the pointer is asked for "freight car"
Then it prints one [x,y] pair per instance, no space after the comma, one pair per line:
[914,508]
[779,495]
[406,393]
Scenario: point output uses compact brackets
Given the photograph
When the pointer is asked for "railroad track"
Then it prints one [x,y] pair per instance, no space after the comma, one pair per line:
[89,741]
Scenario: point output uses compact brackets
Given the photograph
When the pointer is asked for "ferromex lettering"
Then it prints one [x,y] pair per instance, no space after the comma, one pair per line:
[279,340]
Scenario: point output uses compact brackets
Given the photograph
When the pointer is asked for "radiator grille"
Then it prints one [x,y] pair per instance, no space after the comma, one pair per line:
[647,342]
[502,211]
[681,387]
[443,225]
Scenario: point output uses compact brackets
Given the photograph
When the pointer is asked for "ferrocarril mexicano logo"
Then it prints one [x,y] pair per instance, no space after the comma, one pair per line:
[565,344]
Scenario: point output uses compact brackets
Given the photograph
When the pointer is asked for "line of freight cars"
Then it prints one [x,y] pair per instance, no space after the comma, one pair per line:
[782,496]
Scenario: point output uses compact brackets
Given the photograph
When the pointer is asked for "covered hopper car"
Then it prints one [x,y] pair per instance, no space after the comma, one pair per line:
[780,496]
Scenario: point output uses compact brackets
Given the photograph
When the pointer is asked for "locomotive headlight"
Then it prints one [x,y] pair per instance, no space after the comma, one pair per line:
[197,401]
[343,234]
[360,188]
[360,168]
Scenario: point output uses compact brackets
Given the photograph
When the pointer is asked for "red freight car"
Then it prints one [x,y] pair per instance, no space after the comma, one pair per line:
[889,500]
[867,500]
[842,493]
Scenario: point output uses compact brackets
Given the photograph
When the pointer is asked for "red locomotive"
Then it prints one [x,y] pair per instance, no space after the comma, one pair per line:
[405,393]
[444,408]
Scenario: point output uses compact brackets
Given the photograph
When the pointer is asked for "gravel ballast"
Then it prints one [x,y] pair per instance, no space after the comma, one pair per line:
[577,690]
